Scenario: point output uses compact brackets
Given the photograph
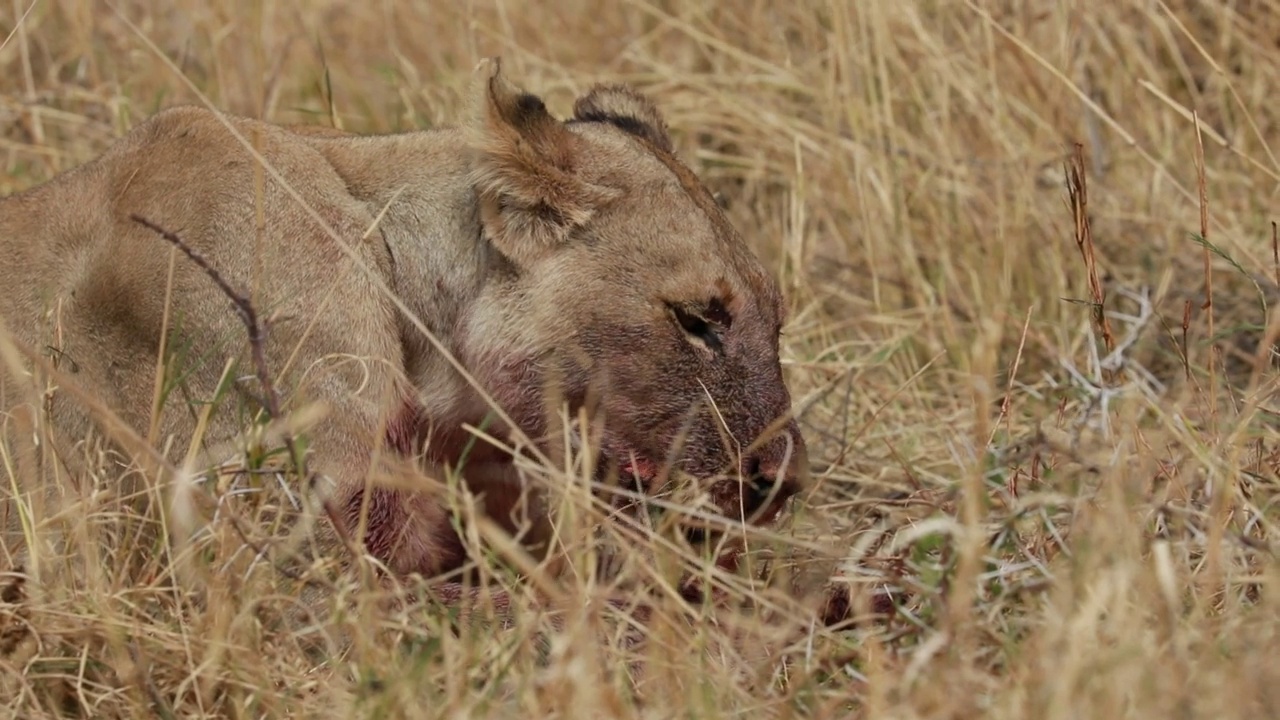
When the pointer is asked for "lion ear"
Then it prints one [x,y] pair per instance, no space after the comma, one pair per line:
[531,198]
[626,108]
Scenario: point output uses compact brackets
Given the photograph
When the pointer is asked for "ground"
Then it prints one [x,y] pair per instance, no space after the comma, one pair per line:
[1039,509]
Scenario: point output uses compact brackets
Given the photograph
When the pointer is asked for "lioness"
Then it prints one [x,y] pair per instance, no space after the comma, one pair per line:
[410,283]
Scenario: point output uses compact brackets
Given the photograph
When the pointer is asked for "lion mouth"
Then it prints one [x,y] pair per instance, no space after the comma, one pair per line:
[638,469]
[638,478]
[630,464]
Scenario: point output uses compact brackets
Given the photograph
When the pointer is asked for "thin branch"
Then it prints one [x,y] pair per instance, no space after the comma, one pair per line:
[1078,196]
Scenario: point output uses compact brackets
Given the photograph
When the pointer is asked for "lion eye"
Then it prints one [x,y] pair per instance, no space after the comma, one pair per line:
[705,325]
[691,323]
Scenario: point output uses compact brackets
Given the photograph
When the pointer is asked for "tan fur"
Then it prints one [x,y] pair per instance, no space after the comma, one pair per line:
[581,253]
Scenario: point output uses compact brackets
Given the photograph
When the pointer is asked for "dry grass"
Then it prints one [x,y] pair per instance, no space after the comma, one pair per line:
[1044,522]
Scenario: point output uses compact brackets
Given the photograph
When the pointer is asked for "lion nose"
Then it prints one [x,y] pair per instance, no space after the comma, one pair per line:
[772,475]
